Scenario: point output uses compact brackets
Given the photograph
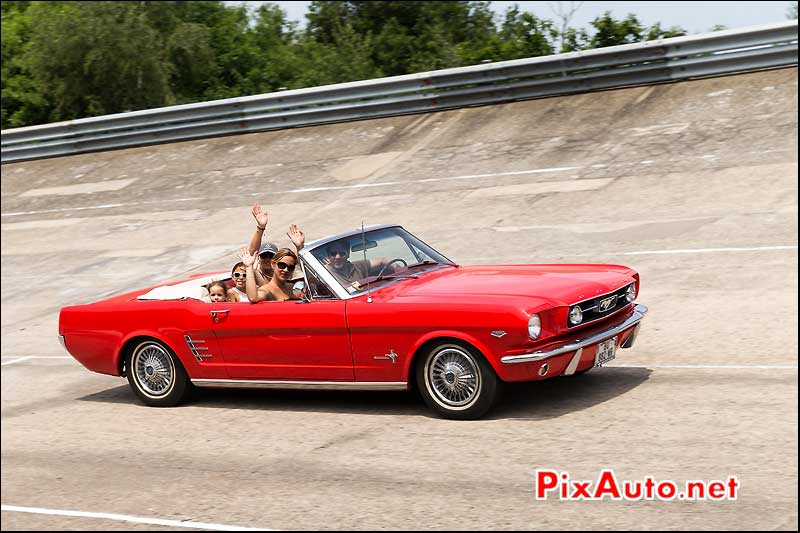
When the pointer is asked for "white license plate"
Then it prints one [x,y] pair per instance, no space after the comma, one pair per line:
[606,351]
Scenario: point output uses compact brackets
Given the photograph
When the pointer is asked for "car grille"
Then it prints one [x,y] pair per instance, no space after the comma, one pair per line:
[598,307]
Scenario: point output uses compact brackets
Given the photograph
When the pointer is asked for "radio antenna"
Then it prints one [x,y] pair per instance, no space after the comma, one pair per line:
[364,249]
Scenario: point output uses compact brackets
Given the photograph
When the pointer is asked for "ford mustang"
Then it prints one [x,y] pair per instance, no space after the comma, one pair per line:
[375,309]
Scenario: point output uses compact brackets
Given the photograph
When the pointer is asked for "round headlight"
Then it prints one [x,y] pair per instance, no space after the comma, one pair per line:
[575,315]
[534,326]
[630,294]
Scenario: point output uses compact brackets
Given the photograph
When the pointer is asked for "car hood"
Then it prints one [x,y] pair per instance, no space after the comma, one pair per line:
[556,284]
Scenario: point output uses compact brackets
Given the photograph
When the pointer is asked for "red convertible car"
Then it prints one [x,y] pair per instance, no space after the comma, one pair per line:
[376,309]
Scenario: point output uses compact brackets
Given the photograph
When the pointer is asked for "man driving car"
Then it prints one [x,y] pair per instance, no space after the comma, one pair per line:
[337,260]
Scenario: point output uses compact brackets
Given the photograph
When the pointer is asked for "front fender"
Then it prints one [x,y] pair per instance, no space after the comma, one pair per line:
[450,334]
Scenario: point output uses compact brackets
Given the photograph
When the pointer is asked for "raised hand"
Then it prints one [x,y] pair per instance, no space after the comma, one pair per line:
[261,217]
[247,259]
[297,237]
[257,263]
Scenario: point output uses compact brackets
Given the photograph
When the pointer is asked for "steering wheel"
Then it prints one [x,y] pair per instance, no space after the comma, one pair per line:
[395,260]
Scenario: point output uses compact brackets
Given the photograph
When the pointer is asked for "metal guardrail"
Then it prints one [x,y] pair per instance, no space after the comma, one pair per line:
[723,52]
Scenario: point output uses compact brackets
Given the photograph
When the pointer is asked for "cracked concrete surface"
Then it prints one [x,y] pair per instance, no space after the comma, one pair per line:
[694,184]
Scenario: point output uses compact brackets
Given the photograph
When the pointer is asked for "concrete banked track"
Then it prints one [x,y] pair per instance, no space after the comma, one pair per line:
[694,184]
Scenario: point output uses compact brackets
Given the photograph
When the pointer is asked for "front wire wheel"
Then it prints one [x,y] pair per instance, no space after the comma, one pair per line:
[156,375]
[456,381]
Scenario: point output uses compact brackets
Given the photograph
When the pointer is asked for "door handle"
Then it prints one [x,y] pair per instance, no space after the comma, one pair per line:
[219,314]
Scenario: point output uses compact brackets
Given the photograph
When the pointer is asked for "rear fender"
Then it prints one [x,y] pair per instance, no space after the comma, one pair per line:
[126,343]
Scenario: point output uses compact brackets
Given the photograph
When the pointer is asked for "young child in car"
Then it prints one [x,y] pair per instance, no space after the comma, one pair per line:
[218,292]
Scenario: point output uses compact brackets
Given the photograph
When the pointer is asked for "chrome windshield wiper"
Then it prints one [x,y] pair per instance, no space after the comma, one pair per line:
[362,284]
[430,262]
[393,276]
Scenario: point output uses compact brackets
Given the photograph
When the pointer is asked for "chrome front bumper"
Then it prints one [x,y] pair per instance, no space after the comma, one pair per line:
[638,314]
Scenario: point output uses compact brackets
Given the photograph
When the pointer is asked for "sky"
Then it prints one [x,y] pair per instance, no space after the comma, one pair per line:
[694,17]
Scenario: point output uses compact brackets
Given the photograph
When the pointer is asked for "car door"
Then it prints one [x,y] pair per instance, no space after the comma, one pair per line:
[293,340]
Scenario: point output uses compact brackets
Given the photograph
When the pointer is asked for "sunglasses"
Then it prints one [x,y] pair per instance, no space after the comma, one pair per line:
[285,266]
[239,275]
[340,253]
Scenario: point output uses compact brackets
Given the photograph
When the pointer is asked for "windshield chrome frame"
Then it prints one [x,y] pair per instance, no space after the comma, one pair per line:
[336,287]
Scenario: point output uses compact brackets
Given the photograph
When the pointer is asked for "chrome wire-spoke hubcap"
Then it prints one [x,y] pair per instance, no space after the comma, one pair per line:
[154,370]
[453,376]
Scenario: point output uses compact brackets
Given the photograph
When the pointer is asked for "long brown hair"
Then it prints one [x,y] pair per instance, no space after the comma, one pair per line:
[283,252]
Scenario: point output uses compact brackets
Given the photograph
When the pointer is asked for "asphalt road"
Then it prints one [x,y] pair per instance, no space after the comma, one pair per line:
[693,184]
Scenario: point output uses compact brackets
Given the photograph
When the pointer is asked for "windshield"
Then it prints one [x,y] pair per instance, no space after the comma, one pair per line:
[377,256]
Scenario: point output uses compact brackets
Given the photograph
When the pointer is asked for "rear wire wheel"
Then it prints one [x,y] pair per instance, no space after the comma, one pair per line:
[156,375]
[456,381]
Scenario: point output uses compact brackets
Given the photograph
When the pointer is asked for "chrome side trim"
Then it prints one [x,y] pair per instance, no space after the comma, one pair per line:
[639,311]
[573,364]
[63,341]
[320,385]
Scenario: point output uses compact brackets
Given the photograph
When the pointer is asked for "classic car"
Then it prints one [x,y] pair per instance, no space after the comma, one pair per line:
[376,309]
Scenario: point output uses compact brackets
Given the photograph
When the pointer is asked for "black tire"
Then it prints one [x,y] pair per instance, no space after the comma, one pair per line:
[156,375]
[456,382]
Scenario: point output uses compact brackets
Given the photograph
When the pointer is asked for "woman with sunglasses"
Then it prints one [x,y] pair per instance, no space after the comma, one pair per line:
[277,288]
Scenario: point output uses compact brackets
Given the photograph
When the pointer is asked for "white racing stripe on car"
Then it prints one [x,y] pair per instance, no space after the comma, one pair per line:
[311,189]
[133,519]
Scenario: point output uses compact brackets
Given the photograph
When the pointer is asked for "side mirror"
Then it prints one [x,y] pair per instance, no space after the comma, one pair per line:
[299,291]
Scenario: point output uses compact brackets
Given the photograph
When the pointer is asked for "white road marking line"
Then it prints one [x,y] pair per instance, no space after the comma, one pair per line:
[40,356]
[706,250]
[134,519]
[309,189]
[718,367]
[16,360]
[484,260]
[80,188]
[106,206]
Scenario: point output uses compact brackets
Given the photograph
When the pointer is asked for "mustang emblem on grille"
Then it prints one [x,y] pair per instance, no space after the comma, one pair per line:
[608,303]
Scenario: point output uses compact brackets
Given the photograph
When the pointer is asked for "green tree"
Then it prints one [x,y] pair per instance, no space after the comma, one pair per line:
[95,58]
[408,36]
[525,35]
[192,63]
[347,58]
[22,103]
[612,32]
[65,60]
[275,39]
